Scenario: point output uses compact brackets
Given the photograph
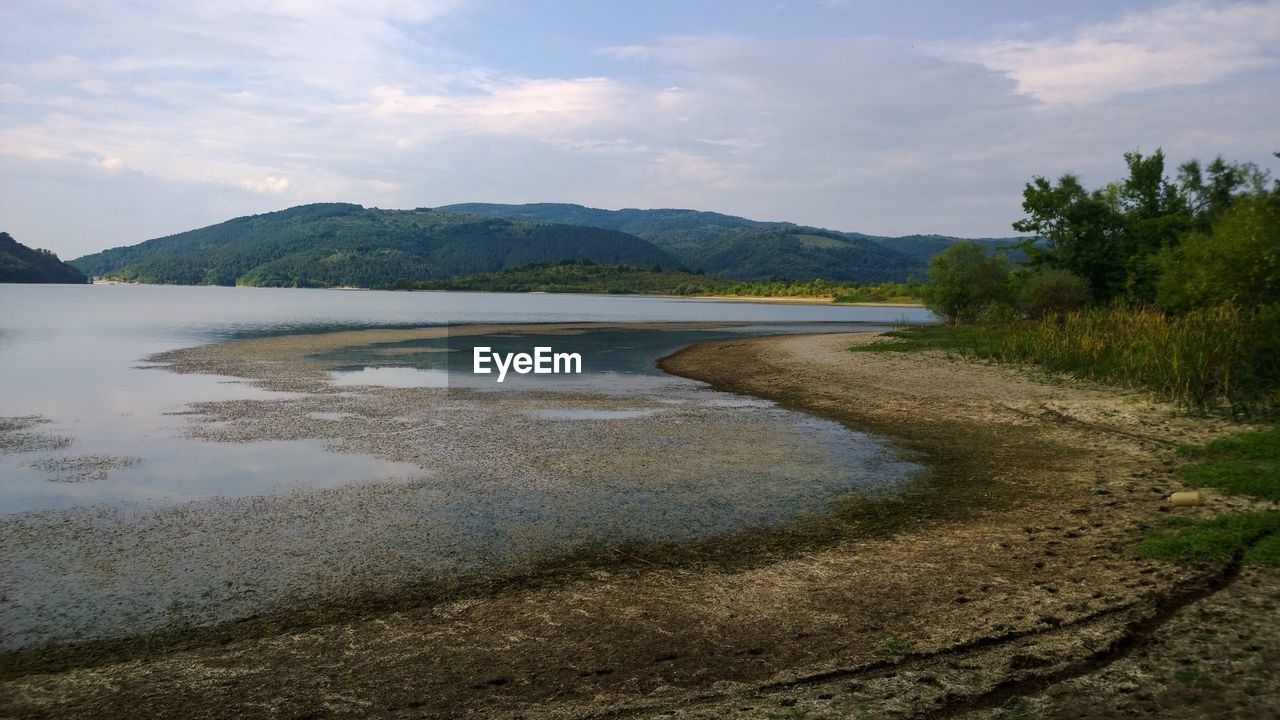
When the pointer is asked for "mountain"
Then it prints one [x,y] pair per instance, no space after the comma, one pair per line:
[924,247]
[748,249]
[340,244]
[786,251]
[648,224]
[728,245]
[21,264]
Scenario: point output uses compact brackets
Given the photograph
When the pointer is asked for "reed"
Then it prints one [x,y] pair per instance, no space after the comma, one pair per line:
[1220,358]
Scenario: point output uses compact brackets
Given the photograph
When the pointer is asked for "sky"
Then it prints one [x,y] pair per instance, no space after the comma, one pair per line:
[124,121]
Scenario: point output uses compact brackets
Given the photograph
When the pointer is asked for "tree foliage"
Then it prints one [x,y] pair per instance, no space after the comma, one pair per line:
[964,280]
[590,277]
[337,244]
[1237,259]
[1050,291]
[21,264]
[1115,236]
[748,249]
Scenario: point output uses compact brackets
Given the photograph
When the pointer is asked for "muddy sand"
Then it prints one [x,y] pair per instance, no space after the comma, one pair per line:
[1001,583]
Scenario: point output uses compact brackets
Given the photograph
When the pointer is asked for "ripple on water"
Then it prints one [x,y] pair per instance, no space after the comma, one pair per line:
[204,532]
[590,414]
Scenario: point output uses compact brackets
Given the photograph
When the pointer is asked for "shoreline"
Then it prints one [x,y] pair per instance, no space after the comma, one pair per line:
[717,298]
[796,300]
[1016,548]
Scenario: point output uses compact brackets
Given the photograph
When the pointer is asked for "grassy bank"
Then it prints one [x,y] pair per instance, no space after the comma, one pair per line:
[1220,359]
[1247,464]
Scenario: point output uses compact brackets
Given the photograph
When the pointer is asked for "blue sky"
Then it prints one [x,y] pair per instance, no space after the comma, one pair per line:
[122,121]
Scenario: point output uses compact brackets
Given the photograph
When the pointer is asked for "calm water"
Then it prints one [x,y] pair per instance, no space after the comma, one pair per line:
[74,355]
[177,530]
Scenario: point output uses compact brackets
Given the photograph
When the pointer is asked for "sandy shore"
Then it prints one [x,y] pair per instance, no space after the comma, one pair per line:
[1003,576]
[795,300]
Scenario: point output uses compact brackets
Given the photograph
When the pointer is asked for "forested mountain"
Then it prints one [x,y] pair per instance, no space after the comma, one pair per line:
[742,248]
[924,247]
[21,264]
[339,244]
[648,224]
[787,252]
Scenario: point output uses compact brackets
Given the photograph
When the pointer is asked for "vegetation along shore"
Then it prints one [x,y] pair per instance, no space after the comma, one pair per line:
[1094,530]
[1022,550]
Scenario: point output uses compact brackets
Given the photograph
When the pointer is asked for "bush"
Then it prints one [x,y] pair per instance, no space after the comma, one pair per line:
[963,280]
[999,313]
[1052,292]
[1204,359]
[1237,261]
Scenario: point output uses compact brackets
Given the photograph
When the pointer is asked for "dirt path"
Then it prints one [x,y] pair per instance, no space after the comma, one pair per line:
[1007,572]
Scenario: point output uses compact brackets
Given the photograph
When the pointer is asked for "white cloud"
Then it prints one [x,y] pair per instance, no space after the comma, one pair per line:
[269,184]
[1186,43]
[261,106]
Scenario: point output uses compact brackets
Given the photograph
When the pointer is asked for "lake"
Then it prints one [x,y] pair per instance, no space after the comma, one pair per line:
[133,498]
[72,354]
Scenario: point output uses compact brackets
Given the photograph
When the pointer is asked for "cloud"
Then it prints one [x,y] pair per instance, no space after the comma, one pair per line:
[242,107]
[269,184]
[1187,43]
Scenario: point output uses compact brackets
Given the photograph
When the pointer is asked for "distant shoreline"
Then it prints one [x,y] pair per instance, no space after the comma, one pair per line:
[794,300]
[717,298]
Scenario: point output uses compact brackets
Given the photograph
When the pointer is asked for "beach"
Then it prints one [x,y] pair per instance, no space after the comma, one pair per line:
[1003,570]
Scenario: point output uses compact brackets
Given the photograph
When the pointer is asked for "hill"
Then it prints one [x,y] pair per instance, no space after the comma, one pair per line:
[648,224]
[749,249]
[339,244]
[728,245]
[21,264]
[924,247]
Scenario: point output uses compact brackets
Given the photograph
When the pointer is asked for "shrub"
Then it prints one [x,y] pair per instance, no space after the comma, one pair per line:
[1237,261]
[999,313]
[963,280]
[1052,292]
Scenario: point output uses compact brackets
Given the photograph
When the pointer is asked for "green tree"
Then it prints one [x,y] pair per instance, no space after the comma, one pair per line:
[1237,260]
[1115,237]
[1050,291]
[963,280]
[1076,230]
[1211,190]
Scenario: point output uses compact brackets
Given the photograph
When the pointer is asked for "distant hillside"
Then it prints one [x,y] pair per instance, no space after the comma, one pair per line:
[749,249]
[21,264]
[647,224]
[731,246]
[339,244]
[924,247]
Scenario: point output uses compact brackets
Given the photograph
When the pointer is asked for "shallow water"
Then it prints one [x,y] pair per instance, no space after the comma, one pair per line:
[157,512]
[74,354]
[612,359]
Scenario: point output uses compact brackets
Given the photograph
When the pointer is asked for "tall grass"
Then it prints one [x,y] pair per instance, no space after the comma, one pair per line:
[1207,359]
[1214,359]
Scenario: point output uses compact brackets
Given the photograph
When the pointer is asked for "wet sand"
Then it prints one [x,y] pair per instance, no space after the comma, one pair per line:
[1006,570]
